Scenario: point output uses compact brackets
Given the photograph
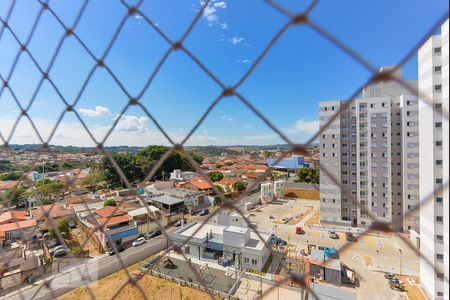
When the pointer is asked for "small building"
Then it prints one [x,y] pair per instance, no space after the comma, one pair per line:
[224,243]
[75,200]
[179,175]
[278,188]
[291,164]
[168,204]
[325,268]
[145,218]
[228,185]
[22,230]
[197,184]
[266,192]
[119,226]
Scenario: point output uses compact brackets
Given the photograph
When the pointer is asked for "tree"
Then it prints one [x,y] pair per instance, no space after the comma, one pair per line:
[109,202]
[308,175]
[50,188]
[10,176]
[92,179]
[240,186]
[62,226]
[217,200]
[127,164]
[17,196]
[148,157]
[215,176]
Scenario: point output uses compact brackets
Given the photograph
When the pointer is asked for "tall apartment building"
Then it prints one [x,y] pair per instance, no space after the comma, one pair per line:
[371,149]
[434,165]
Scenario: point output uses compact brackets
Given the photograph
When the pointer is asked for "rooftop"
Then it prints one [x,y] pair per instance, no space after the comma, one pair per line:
[167,200]
[13,215]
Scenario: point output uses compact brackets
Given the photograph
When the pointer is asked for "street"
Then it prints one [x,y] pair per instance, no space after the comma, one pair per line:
[95,269]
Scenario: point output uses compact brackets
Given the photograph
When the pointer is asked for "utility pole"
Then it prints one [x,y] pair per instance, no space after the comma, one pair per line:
[400,250]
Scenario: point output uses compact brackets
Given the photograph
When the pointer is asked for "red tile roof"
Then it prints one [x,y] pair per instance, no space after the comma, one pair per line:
[13,216]
[114,220]
[5,185]
[108,211]
[77,200]
[4,228]
[54,211]
[201,183]
[226,181]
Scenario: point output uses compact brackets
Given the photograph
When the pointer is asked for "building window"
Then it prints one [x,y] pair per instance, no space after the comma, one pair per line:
[438,88]
[440,275]
[254,262]
[438,124]
[439,219]
[438,69]
[246,260]
[440,238]
[439,162]
[438,180]
[440,256]
[437,50]
[439,200]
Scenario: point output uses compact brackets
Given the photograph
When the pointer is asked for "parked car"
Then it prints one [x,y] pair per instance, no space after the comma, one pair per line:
[155,233]
[72,225]
[350,237]
[333,235]
[53,244]
[204,212]
[299,230]
[53,250]
[116,250]
[390,276]
[178,223]
[60,253]
[138,242]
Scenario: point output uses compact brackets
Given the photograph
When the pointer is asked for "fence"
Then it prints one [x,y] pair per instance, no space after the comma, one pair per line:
[293,19]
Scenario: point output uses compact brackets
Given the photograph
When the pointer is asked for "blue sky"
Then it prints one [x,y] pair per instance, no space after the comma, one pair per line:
[299,71]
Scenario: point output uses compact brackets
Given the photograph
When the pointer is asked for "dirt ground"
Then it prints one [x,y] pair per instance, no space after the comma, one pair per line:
[315,219]
[79,236]
[153,287]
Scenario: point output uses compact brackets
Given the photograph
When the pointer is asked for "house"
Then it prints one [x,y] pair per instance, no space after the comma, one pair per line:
[75,200]
[14,216]
[228,185]
[53,211]
[8,184]
[145,218]
[22,230]
[167,203]
[197,184]
[111,225]
[225,241]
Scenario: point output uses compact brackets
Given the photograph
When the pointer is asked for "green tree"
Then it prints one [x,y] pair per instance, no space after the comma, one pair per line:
[17,196]
[308,175]
[10,176]
[217,200]
[215,176]
[92,179]
[127,164]
[49,189]
[43,182]
[240,186]
[63,227]
[109,202]
[148,157]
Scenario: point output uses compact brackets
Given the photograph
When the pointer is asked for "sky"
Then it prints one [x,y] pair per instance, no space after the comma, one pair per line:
[301,69]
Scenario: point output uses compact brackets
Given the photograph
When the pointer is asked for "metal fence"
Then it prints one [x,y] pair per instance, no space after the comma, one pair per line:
[292,19]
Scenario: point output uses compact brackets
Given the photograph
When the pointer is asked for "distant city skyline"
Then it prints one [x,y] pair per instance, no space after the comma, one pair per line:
[286,86]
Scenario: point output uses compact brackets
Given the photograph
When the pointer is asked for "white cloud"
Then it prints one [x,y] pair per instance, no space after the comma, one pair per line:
[220,4]
[306,126]
[99,111]
[211,10]
[244,61]
[138,17]
[131,123]
[229,119]
[235,40]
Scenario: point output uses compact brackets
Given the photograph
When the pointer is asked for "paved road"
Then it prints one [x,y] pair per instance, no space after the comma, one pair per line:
[94,269]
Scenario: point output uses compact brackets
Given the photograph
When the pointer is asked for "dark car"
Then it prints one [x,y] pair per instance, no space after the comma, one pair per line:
[155,233]
[204,212]
[350,237]
[53,244]
[116,250]
[178,223]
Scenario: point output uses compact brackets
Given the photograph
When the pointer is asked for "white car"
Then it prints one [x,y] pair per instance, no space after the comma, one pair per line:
[138,242]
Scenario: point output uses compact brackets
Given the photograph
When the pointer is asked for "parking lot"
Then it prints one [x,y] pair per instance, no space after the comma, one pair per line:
[370,256]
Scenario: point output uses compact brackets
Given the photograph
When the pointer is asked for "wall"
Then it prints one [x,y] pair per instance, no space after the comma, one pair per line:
[312,194]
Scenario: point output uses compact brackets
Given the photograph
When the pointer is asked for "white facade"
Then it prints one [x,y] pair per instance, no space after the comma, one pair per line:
[278,188]
[371,150]
[434,133]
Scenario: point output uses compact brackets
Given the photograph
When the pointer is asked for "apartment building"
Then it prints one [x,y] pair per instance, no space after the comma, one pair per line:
[433,147]
[371,151]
